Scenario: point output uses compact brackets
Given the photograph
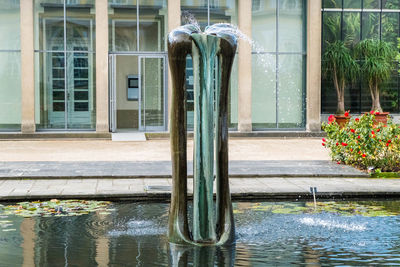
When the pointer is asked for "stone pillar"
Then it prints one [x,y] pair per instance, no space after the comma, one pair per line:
[174,21]
[27,67]
[244,70]
[102,100]
[314,22]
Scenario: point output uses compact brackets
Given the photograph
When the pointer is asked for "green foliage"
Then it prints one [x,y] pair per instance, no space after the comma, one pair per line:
[341,67]
[362,144]
[337,60]
[376,60]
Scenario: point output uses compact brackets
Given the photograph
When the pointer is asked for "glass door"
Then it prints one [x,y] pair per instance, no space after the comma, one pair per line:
[152,97]
[137,92]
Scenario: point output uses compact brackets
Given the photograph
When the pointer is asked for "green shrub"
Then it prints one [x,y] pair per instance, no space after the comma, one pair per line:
[362,144]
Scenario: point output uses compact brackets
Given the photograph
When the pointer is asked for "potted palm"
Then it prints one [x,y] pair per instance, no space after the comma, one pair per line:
[339,65]
[377,58]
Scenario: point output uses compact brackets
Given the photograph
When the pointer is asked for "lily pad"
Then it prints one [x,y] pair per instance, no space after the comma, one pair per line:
[55,207]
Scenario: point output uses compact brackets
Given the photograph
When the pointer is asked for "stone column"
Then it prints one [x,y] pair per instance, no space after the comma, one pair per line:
[27,67]
[244,70]
[314,18]
[174,21]
[102,100]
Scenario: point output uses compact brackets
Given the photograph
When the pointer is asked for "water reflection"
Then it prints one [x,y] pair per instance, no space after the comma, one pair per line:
[209,256]
[268,234]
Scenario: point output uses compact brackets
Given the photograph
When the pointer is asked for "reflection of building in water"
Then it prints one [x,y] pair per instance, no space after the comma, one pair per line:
[27,230]
[101,66]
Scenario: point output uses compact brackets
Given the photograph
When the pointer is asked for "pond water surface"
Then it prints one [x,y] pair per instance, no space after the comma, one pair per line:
[268,233]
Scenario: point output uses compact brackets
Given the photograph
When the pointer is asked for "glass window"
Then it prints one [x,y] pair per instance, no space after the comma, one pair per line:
[377,24]
[291,28]
[152,25]
[263,113]
[223,11]
[124,24]
[10,66]
[263,19]
[9,25]
[391,30]
[278,97]
[80,26]
[370,25]
[10,91]
[64,64]
[291,91]
[351,28]
[332,3]
[371,4]
[49,24]
[391,4]
[352,3]
[194,11]
[331,27]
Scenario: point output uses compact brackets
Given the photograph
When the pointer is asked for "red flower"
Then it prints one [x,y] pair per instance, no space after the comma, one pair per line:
[338,162]
[389,141]
[363,155]
[323,140]
[344,144]
[372,132]
[387,144]
[323,144]
[371,112]
[352,130]
[331,118]
[359,137]
[346,114]
[378,130]
[351,150]
[357,119]
[337,143]
[377,113]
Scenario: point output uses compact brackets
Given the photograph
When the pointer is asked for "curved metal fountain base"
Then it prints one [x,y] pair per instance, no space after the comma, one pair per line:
[215,47]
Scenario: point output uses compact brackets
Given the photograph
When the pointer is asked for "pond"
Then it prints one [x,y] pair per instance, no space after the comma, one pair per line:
[268,233]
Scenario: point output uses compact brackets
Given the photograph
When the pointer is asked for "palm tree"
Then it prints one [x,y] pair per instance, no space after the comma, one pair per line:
[341,67]
[376,66]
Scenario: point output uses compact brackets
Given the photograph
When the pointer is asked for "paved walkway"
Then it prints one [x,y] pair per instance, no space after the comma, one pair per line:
[159,189]
[158,150]
[259,168]
[162,169]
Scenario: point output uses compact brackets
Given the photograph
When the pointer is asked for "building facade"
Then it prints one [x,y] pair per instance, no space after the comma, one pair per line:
[102,65]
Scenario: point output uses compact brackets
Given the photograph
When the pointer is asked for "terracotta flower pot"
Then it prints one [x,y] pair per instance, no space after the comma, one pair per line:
[342,120]
[381,118]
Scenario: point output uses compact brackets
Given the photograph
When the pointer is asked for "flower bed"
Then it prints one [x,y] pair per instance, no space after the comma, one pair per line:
[363,144]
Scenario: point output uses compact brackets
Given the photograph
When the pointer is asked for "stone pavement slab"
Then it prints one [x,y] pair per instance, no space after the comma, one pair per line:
[156,169]
[160,189]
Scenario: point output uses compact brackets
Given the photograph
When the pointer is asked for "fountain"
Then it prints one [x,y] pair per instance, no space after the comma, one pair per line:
[216,46]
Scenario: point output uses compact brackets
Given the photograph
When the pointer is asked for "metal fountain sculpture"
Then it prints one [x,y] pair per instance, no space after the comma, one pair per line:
[215,47]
